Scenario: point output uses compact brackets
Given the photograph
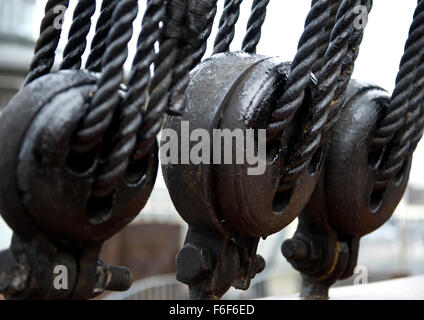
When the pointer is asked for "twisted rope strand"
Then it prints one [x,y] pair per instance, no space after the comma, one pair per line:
[321,50]
[227,25]
[77,39]
[98,45]
[346,75]
[158,98]
[331,85]
[404,140]
[201,46]
[106,97]
[418,99]
[180,80]
[301,68]
[167,90]
[161,83]
[123,143]
[199,23]
[254,25]
[394,119]
[45,48]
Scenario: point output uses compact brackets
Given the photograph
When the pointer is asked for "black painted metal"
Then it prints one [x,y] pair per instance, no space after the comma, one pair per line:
[224,206]
[223,200]
[73,175]
[80,154]
[347,203]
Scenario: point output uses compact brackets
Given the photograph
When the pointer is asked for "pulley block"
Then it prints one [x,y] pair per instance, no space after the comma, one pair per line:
[230,92]
[348,202]
[50,183]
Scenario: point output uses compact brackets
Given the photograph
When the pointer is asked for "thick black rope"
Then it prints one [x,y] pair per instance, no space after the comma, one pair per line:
[77,38]
[332,82]
[398,107]
[45,48]
[227,25]
[178,54]
[182,29]
[98,45]
[346,74]
[161,82]
[418,99]
[180,80]
[106,98]
[201,46]
[405,104]
[254,25]
[199,22]
[301,68]
[321,50]
[124,141]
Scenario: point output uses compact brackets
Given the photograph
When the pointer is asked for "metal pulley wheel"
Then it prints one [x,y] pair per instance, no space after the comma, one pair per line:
[80,150]
[351,162]
[228,92]
[325,246]
[297,104]
[49,184]
[365,174]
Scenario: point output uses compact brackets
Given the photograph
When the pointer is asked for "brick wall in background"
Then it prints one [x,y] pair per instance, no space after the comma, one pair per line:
[147,249]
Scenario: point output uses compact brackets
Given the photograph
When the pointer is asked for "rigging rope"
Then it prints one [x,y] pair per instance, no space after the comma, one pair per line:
[98,45]
[254,25]
[46,45]
[401,126]
[182,28]
[77,39]
[227,25]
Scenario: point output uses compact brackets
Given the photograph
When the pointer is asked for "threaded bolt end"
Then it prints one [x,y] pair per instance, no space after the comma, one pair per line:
[120,279]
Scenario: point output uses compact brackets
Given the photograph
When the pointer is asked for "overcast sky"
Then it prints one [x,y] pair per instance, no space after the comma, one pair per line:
[378,62]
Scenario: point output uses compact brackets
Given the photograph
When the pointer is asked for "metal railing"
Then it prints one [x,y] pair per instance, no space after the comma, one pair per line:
[166,287]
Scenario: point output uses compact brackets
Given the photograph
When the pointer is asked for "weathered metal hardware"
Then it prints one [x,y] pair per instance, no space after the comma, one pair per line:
[80,154]
[365,175]
[80,147]
[38,169]
[325,246]
[223,198]
[372,138]
[43,190]
[225,208]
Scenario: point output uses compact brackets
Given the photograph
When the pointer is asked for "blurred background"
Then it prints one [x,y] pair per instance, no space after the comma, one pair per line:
[149,245]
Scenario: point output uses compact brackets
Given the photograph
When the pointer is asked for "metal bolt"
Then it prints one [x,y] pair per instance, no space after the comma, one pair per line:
[193,263]
[120,280]
[113,278]
[294,250]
